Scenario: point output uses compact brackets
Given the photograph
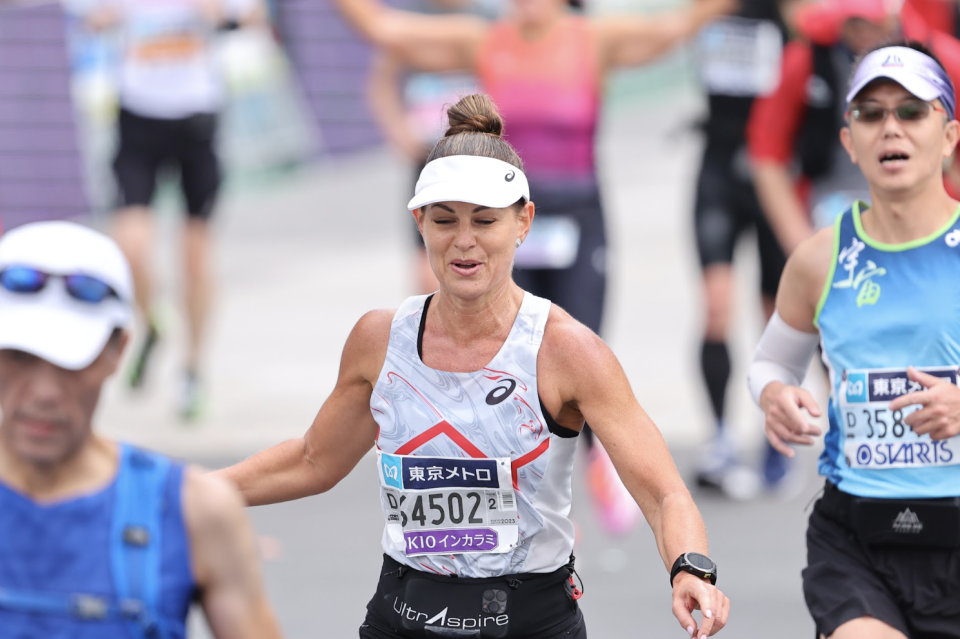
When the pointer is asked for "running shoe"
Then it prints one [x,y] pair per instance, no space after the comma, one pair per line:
[192,399]
[138,366]
[716,459]
[781,475]
[617,510]
[719,470]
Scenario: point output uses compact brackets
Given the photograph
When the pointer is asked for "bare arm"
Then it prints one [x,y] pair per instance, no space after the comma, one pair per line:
[633,40]
[425,42]
[384,92]
[342,432]
[784,210]
[582,380]
[225,561]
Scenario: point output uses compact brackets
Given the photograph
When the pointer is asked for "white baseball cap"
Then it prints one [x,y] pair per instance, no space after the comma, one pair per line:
[472,179]
[51,323]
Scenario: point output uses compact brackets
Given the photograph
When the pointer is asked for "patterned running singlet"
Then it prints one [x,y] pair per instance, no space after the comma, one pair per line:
[473,481]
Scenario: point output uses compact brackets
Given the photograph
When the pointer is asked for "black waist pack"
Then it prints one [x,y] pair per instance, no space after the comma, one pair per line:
[424,605]
[931,523]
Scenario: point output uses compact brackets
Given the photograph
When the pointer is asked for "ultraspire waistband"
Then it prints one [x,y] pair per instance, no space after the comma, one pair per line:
[916,72]
[472,179]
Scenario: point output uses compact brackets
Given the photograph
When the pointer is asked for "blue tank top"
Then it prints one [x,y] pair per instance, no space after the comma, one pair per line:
[885,307]
[64,547]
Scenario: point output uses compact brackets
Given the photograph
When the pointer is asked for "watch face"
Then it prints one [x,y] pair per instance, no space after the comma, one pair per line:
[702,562]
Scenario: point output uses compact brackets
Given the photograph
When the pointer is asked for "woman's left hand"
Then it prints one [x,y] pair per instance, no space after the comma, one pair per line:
[691,593]
[940,400]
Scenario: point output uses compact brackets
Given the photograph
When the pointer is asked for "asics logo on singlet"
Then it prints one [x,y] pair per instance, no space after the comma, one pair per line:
[907,522]
[500,393]
[509,176]
[952,238]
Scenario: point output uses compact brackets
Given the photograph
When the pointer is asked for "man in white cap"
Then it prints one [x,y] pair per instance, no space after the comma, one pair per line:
[99,539]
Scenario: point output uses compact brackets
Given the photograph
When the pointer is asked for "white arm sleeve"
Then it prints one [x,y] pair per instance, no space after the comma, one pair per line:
[783,355]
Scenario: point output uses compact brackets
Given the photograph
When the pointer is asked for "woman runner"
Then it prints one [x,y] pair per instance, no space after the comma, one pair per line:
[880,292]
[474,397]
[545,68]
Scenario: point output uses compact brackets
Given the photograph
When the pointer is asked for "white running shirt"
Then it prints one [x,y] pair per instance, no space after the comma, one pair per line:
[473,482]
[168,66]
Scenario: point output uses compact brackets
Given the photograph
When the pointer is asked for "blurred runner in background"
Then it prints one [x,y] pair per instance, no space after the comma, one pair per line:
[800,122]
[171,92]
[739,60]
[545,69]
[409,106]
[100,540]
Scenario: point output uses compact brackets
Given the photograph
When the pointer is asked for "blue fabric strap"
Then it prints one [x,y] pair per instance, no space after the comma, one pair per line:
[79,605]
[135,538]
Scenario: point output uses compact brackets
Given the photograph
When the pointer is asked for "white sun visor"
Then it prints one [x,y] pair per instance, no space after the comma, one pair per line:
[472,179]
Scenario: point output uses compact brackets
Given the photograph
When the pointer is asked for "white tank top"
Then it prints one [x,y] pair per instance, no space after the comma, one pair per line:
[473,481]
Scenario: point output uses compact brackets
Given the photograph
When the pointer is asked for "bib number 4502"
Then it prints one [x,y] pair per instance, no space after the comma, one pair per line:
[437,509]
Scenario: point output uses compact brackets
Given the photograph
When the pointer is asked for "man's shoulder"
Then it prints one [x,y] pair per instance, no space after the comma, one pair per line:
[209,500]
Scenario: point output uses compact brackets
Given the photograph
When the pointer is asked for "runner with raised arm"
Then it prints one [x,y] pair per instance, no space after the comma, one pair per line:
[879,291]
[473,398]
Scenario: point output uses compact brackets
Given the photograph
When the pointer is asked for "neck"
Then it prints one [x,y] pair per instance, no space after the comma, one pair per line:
[92,466]
[467,320]
[896,218]
[532,30]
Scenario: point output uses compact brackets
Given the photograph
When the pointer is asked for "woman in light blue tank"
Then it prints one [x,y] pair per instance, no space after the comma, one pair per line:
[880,292]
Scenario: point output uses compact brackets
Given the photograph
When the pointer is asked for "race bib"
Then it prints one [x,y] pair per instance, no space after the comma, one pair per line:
[448,505]
[877,437]
[553,242]
[170,47]
[740,56]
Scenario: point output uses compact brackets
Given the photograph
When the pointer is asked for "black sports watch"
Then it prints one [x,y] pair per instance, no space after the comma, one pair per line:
[696,564]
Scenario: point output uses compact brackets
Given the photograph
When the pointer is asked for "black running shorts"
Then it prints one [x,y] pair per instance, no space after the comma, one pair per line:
[411,604]
[915,590]
[148,144]
[726,206]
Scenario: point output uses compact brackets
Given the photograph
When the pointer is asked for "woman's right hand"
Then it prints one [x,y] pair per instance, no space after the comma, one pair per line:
[785,423]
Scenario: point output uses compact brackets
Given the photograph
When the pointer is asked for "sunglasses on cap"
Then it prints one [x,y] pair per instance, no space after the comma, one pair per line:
[907,112]
[86,288]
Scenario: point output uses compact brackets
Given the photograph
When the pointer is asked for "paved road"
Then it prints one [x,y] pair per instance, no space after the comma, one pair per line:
[302,260]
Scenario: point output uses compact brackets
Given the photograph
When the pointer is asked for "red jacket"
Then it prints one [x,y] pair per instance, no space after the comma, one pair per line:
[776,119]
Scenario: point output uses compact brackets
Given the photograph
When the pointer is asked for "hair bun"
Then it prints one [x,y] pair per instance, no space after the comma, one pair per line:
[474,113]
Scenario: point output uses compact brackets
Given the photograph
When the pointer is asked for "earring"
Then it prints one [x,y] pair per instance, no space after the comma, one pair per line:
[519,242]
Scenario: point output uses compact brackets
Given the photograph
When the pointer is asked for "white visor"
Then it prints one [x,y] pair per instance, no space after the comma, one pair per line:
[472,179]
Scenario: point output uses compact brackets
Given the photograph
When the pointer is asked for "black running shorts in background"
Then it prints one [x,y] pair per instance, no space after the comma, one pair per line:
[148,144]
[726,206]
[915,590]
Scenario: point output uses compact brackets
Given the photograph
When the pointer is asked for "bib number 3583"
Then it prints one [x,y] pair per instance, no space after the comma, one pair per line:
[446,505]
[877,437]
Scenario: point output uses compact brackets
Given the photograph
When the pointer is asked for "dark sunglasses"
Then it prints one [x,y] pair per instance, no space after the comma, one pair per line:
[86,288]
[906,112]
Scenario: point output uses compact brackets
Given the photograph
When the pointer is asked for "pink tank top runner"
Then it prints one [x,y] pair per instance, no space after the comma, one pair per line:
[548,92]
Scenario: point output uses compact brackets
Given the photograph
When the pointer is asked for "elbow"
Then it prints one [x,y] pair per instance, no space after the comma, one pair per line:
[318,481]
